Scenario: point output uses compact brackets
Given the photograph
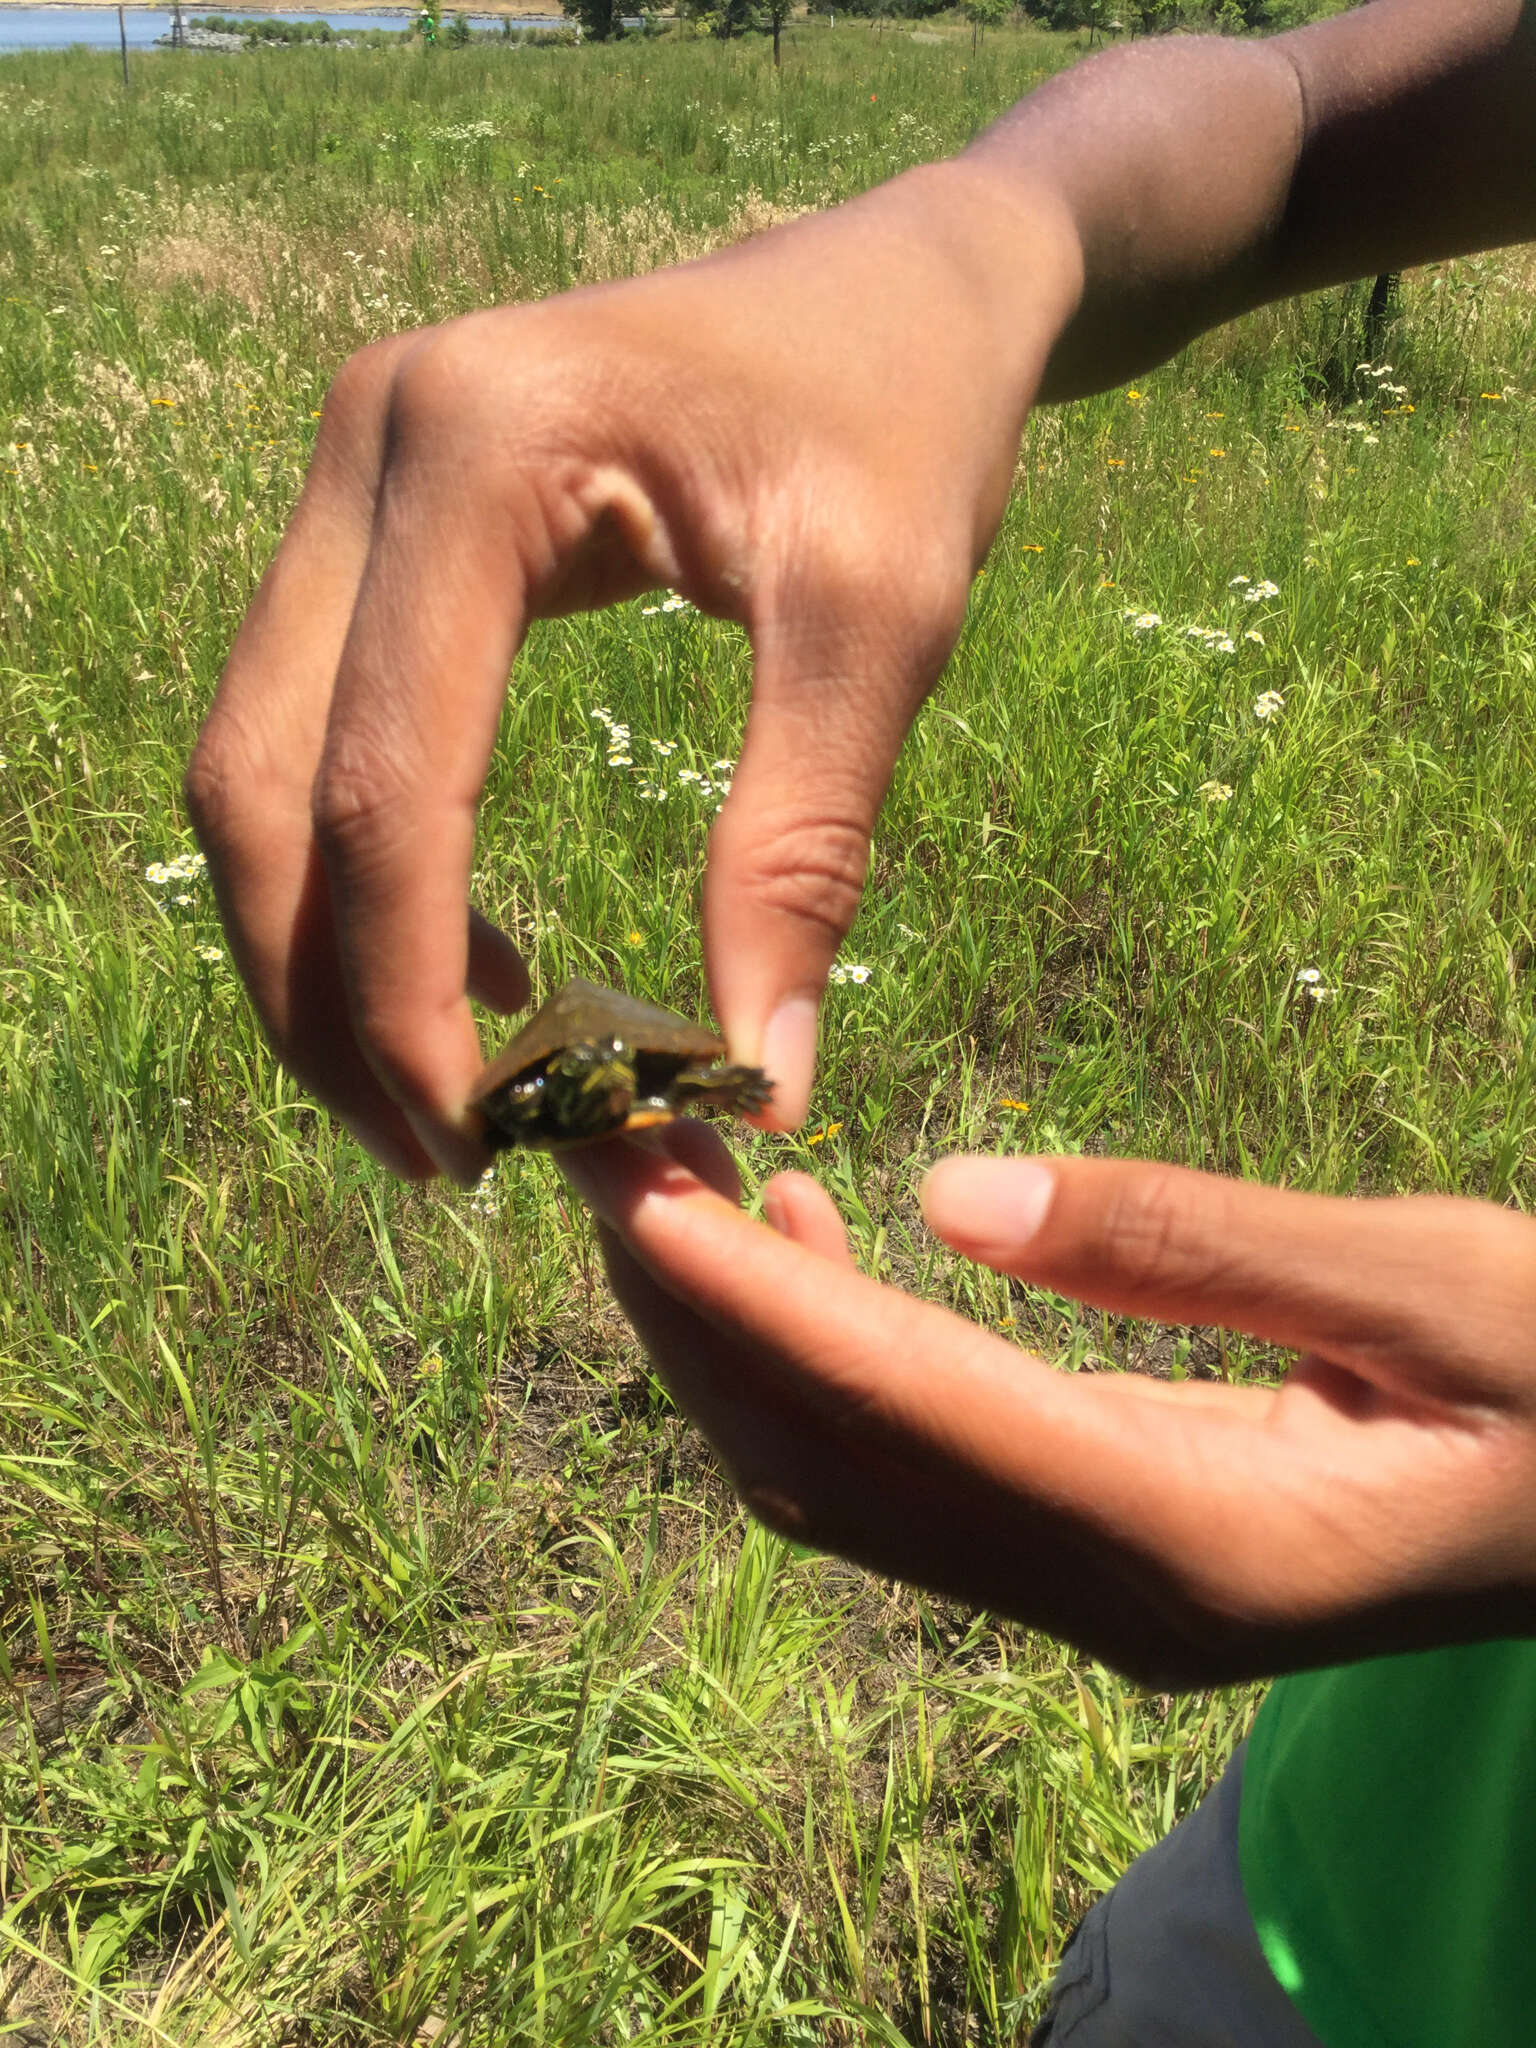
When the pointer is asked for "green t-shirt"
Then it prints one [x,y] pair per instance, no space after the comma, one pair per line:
[1388,1847]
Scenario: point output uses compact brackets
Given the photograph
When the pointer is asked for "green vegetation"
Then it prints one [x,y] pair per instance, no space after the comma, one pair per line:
[266,28]
[376,1647]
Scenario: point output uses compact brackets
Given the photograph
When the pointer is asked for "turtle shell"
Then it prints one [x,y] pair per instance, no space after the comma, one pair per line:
[582,1013]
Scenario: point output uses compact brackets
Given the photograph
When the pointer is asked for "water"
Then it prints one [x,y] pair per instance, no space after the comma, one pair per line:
[57,28]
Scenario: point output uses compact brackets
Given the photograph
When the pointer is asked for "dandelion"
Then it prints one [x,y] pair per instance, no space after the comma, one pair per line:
[1268,705]
[820,1137]
[1115,462]
[431,1367]
[1031,547]
[1215,792]
[1135,398]
[1217,454]
[1255,636]
[1491,397]
[1412,562]
[634,938]
[1012,1102]
[1215,415]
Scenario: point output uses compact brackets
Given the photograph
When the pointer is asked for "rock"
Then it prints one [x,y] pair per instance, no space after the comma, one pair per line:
[204,39]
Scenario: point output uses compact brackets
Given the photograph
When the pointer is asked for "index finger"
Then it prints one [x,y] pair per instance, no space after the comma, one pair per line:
[440,614]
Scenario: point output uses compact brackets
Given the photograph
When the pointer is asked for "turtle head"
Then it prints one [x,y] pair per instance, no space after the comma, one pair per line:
[589,1087]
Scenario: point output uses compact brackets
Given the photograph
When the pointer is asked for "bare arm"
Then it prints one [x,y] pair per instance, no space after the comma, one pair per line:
[1204,175]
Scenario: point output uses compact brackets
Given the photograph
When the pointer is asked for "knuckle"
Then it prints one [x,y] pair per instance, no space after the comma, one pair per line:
[208,786]
[1148,1237]
[359,393]
[810,869]
[357,799]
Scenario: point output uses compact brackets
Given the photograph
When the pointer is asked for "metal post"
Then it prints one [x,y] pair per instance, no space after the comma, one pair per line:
[122,32]
[178,33]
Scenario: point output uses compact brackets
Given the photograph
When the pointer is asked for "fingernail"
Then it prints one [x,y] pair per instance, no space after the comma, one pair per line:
[988,1204]
[462,1157]
[773,1210]
[788,1058]
[581,1172]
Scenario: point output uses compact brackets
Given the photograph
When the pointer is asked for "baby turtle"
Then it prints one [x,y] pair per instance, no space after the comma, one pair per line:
[594,1061]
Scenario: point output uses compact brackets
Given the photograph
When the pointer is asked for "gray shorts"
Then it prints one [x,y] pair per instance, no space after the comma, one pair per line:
[1169,1958]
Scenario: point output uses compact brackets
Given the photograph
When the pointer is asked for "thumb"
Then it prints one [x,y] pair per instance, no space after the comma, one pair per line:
[833,696]
[1421,1288]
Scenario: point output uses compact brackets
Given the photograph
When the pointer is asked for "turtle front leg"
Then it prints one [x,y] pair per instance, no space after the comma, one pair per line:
[738,1090]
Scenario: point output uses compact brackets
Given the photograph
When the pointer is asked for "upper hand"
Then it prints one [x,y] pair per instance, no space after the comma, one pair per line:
[1382,1499]
[812,433]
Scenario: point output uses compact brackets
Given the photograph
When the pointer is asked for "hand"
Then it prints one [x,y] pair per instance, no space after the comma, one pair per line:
[812,433]
[1383,1499]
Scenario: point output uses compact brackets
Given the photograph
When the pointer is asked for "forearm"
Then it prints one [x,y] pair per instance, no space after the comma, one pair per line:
[1203,176]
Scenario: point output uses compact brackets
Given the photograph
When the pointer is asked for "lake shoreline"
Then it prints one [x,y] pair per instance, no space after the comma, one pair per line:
[514,9]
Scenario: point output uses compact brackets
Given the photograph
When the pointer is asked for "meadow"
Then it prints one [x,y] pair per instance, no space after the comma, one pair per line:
[380,1658]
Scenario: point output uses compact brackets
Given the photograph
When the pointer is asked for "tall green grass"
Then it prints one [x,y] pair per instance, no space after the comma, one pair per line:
[377,1649]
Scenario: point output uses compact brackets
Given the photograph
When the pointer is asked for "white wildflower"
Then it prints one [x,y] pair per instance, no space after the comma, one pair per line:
[1225,645]
[1261,590]
[210,954]
[1268,705]
[1215,792]
[1255,636]
[665,747]
[1146,622]
[846,971]
[1237,583]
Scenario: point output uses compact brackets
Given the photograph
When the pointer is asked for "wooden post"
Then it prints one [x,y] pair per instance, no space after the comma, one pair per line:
[178,33]
[122,34]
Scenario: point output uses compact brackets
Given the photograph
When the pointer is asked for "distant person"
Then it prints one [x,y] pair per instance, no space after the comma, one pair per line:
[814,433]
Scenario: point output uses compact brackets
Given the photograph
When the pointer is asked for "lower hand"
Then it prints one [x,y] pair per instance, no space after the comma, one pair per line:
[1382,1499]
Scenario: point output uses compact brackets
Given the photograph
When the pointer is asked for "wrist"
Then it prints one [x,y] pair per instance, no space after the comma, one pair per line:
[996,267]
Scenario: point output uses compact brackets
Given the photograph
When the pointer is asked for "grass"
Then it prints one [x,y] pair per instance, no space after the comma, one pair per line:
[381,1660]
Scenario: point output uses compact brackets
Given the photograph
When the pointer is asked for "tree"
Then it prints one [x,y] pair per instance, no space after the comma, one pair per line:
[602,20]
[776,13]
[723,18]
[985,14]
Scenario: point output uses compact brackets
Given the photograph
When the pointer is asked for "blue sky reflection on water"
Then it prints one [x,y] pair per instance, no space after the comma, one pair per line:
[57,28]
